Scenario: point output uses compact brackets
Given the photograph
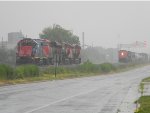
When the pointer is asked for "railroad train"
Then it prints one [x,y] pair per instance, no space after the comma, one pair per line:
[132,57]
[45,52]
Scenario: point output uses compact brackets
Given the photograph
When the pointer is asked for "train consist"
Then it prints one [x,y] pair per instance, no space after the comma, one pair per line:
[132,57]
[45,52]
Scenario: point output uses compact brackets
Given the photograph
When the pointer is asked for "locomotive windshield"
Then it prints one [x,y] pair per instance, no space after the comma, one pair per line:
[44,44]
[41,42]
[26,42]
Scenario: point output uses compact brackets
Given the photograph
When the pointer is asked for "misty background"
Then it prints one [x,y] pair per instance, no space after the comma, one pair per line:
[105,24]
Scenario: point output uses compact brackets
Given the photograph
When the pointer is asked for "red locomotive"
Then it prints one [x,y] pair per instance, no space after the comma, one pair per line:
[132,57]
[42,51]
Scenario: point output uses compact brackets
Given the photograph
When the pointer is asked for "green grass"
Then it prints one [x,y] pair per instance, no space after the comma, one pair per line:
[141,88]
[31,73]
[144,101]
[146,79]
[144,104]
[11,73]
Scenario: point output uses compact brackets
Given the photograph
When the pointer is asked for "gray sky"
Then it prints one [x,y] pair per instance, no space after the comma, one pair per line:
[101,21]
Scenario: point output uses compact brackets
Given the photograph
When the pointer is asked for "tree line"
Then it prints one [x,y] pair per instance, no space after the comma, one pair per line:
[59,34]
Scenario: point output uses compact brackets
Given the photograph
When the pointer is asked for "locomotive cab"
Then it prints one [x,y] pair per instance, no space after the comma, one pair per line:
[25,51]
[35,51]
[76,54]
[67,53]
[123,56]
[43,51]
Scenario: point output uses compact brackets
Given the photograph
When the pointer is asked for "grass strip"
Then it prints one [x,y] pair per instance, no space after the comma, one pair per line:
[30,73]
[144,102]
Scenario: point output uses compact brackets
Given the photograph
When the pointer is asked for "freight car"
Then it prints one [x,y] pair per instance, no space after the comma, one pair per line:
[42,51]
[132,57]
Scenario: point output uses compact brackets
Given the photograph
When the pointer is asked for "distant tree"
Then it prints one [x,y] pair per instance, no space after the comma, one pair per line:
[99,55]
[7,56]
[57,33]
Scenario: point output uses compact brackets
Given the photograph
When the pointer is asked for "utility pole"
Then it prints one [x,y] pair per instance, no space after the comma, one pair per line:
[119,46]
[56,66]
[83,40]
[2,43]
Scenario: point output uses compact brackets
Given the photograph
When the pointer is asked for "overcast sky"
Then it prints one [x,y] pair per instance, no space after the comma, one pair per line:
[101,21]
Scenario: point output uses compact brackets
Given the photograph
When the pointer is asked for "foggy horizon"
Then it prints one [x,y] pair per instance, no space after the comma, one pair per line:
[105,24]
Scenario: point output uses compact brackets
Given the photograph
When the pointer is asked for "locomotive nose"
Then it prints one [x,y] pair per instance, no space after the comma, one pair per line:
[122,53]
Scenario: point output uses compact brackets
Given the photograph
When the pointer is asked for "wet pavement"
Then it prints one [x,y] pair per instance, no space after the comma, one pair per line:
[98,94]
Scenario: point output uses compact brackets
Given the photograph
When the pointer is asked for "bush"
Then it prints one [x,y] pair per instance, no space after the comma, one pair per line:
[144,104]
[3,72]
[89,67]
[59,70]
[10,72]
[23,71]
[6,72]
[19,72]
[27,71]
[107,67]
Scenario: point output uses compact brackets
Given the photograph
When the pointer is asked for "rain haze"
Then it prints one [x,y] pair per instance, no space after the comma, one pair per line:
[104,23]
[75,57]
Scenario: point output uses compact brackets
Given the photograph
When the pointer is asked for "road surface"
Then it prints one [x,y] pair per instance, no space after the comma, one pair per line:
[98,94]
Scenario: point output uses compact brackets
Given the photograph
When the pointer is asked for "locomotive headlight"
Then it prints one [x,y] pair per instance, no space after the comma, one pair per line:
[122,53]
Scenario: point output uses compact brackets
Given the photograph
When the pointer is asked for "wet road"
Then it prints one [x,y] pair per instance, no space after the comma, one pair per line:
[99,94]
